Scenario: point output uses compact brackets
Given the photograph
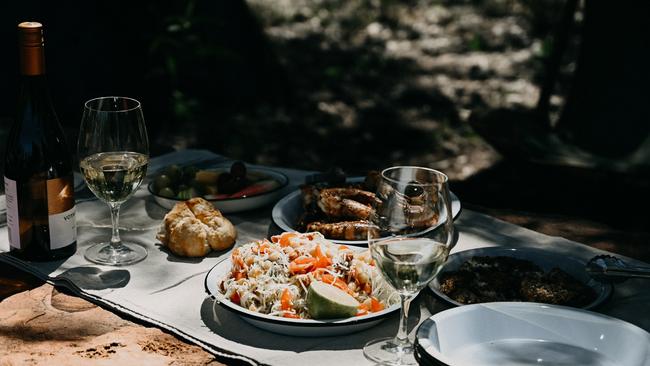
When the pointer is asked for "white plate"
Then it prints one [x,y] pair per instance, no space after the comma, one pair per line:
[287,211]
[230,205]
[545,259]
[509,333]
[293,327]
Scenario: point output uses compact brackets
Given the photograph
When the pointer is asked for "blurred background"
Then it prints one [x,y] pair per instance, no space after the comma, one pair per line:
[536,105]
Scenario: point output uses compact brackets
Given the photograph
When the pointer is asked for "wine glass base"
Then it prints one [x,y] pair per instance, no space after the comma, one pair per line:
[122,255]
[386,351]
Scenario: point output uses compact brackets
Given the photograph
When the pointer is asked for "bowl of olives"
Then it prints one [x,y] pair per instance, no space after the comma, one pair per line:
[231,188]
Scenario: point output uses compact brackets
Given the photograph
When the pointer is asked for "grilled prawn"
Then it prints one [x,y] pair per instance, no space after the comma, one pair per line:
[346,203]
[344,230]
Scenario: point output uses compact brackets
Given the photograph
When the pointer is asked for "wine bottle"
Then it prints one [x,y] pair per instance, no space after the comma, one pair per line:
[39,183]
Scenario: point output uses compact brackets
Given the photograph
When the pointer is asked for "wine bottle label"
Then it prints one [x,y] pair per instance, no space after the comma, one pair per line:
[59,213]
[63,228]
[11,195]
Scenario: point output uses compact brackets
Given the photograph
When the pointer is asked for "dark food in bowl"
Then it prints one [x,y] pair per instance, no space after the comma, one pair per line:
[183,183]
[487,279]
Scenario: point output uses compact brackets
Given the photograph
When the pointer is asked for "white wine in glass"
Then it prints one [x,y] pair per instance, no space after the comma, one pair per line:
[113,153]
[413,235]
[114,176]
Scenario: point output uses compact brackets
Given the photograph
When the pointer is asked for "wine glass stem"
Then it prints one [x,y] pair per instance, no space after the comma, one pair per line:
[402,331]
[115,219]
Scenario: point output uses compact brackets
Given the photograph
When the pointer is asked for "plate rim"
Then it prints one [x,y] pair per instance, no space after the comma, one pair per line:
[303,323]
[427,323]
[284,182]
[277,217]
[604,295]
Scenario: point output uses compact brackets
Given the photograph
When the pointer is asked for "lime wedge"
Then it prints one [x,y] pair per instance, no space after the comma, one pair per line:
[325,301]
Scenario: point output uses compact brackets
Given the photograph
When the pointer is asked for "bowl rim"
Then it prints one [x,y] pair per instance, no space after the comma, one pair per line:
[282,178]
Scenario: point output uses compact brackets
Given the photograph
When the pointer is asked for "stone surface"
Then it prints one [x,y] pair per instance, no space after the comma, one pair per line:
[45,326]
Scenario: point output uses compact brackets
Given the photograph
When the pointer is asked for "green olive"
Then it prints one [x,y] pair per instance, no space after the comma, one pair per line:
[162,181]
[189,172]
[166,192]
[174,173]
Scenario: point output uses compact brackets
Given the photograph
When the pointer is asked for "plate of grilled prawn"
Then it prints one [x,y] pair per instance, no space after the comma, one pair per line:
[338,211]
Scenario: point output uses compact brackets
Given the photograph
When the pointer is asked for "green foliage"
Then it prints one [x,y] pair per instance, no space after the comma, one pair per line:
[476,43]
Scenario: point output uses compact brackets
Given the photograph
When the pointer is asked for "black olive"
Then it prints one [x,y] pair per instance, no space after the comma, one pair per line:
[228,184]
[413,190]
[189,172]
[238,169]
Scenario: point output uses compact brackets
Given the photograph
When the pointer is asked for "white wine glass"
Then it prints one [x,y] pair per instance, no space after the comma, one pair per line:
[113,152]
[410,238]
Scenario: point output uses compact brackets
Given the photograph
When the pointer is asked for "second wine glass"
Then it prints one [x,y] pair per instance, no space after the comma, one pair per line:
[113,151]
[410,239]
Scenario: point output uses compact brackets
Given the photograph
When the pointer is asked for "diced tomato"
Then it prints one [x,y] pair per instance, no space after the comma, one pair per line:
[375,305]
[236,258]
[285,239]
[318,273]
[305,260]
[322,260]
[336,282]
[235,298]
[286,300]
[301,264]
[362,309]
[263,248]
[287,314]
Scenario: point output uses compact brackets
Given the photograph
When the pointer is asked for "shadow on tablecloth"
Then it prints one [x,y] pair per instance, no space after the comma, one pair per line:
[232,327]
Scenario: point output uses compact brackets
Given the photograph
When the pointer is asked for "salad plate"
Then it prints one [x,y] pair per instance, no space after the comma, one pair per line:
[266,188]
[546,260]
[509,333]
[290,326]
[288,210]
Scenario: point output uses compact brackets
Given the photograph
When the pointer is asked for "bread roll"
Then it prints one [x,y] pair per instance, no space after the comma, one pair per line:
[193,228]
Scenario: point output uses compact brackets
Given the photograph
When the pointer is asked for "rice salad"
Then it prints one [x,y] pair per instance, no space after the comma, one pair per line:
[273,277]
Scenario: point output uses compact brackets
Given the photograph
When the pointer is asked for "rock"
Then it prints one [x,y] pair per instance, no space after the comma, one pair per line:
[46,326]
